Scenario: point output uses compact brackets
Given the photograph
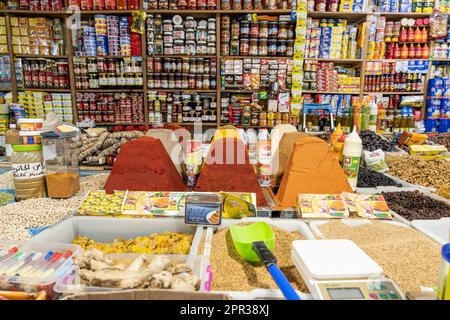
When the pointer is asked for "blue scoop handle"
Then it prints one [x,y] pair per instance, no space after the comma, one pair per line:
[284,285]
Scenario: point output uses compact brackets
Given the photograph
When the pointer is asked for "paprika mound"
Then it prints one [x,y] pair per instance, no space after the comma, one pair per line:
[227,168]
[312,168]
[144,165]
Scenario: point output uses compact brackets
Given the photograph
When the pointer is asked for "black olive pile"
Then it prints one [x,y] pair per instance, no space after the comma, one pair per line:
[371,142]
[413,205]
[371,179]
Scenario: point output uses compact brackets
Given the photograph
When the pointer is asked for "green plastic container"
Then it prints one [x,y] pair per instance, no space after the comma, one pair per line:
[244,236]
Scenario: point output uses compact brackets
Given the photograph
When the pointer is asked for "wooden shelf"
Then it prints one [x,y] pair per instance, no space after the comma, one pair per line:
[5,90]
[399,93]
[242,90]
[183,90]
[35,56]
[183,12]
[45,90]
[394,60]
[115,12]
[256,57]
[353,61]
[182,56]
[440,59]
[120,124]
[110,90]
[262,11]
[400,15]
[38,13]
[107,57]
[350,16]
[330,92]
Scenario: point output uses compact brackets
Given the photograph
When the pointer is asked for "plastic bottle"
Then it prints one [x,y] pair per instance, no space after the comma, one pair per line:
[243,136]
[339,147]
[337,133]
[252,141]
[373,114]
[351,157]
[365,117]
[357,121]
[264,158]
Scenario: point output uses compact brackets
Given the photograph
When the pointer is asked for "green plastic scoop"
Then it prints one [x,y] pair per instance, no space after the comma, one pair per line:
[255,243]
[244,237]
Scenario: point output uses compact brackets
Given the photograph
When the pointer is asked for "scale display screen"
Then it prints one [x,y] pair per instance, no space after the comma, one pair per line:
[345,293]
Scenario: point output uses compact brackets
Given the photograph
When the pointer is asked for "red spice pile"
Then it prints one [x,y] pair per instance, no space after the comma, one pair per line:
[144,165]
[225,170]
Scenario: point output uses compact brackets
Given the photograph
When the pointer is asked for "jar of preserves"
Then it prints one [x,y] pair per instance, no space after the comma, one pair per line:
[245,29]
[27,163]
[263,29]
[253,50]
[244,47]
[262,47]
[272,47]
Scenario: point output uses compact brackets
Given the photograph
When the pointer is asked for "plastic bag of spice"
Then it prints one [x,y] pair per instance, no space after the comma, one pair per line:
[438,25]
[374,160]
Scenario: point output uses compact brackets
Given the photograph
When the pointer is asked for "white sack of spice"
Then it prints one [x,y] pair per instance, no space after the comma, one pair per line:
[15,218]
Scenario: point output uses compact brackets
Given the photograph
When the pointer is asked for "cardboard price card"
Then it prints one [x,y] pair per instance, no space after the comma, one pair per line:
[321,206]
[370,206]
[203,208]
[161,204]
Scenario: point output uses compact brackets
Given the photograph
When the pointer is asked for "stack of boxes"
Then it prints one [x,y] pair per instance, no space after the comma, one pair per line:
[331,39]
[39,36]
[39,104]
[325,76]
[3,42]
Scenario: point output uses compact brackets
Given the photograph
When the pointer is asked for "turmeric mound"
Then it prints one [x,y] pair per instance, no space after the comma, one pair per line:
[311,169]
[144,165]
[227,168]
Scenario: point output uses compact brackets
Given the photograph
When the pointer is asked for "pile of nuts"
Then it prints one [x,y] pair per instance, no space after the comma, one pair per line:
[413,205]
[428,173]
[15,218]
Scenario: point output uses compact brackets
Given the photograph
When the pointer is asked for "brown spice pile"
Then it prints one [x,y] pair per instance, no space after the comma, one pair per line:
[232,273]
[408,257]
[428,173]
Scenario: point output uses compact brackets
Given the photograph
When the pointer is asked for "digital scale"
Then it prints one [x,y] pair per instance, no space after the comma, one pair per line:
[340,270]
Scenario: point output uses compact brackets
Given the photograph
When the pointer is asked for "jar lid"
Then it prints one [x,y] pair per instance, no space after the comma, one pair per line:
[26,147]
[29,133]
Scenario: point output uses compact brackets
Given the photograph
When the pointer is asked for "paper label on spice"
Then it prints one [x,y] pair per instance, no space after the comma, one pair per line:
[31,170]
[369,206]
[161,204]
[327,206]
[49,152]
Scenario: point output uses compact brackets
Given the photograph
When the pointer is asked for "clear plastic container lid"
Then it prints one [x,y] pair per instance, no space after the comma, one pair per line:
[35,263]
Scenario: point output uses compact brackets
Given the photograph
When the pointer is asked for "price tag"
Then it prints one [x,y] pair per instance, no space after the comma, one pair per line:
[203,209]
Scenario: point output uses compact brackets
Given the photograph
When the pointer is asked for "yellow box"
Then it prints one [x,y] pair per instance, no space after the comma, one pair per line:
[2,21]
[15,31]
[2,30]
[14,22]
[428,151]
[23,31]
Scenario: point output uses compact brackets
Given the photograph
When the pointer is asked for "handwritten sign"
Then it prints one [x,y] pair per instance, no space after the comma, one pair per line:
[31,170]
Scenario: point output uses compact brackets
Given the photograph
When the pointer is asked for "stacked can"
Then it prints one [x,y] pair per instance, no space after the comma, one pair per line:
[110,107]
[101,34]
[125,40]
[113,35]
[438,105]
[87,41]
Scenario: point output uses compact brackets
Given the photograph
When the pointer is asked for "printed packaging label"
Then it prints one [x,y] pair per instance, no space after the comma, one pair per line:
[31,170]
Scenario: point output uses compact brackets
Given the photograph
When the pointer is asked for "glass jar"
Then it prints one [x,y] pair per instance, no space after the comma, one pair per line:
[244,47]
[263,29]
[262,47]
[245,29]
[27,163]
[253,50]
